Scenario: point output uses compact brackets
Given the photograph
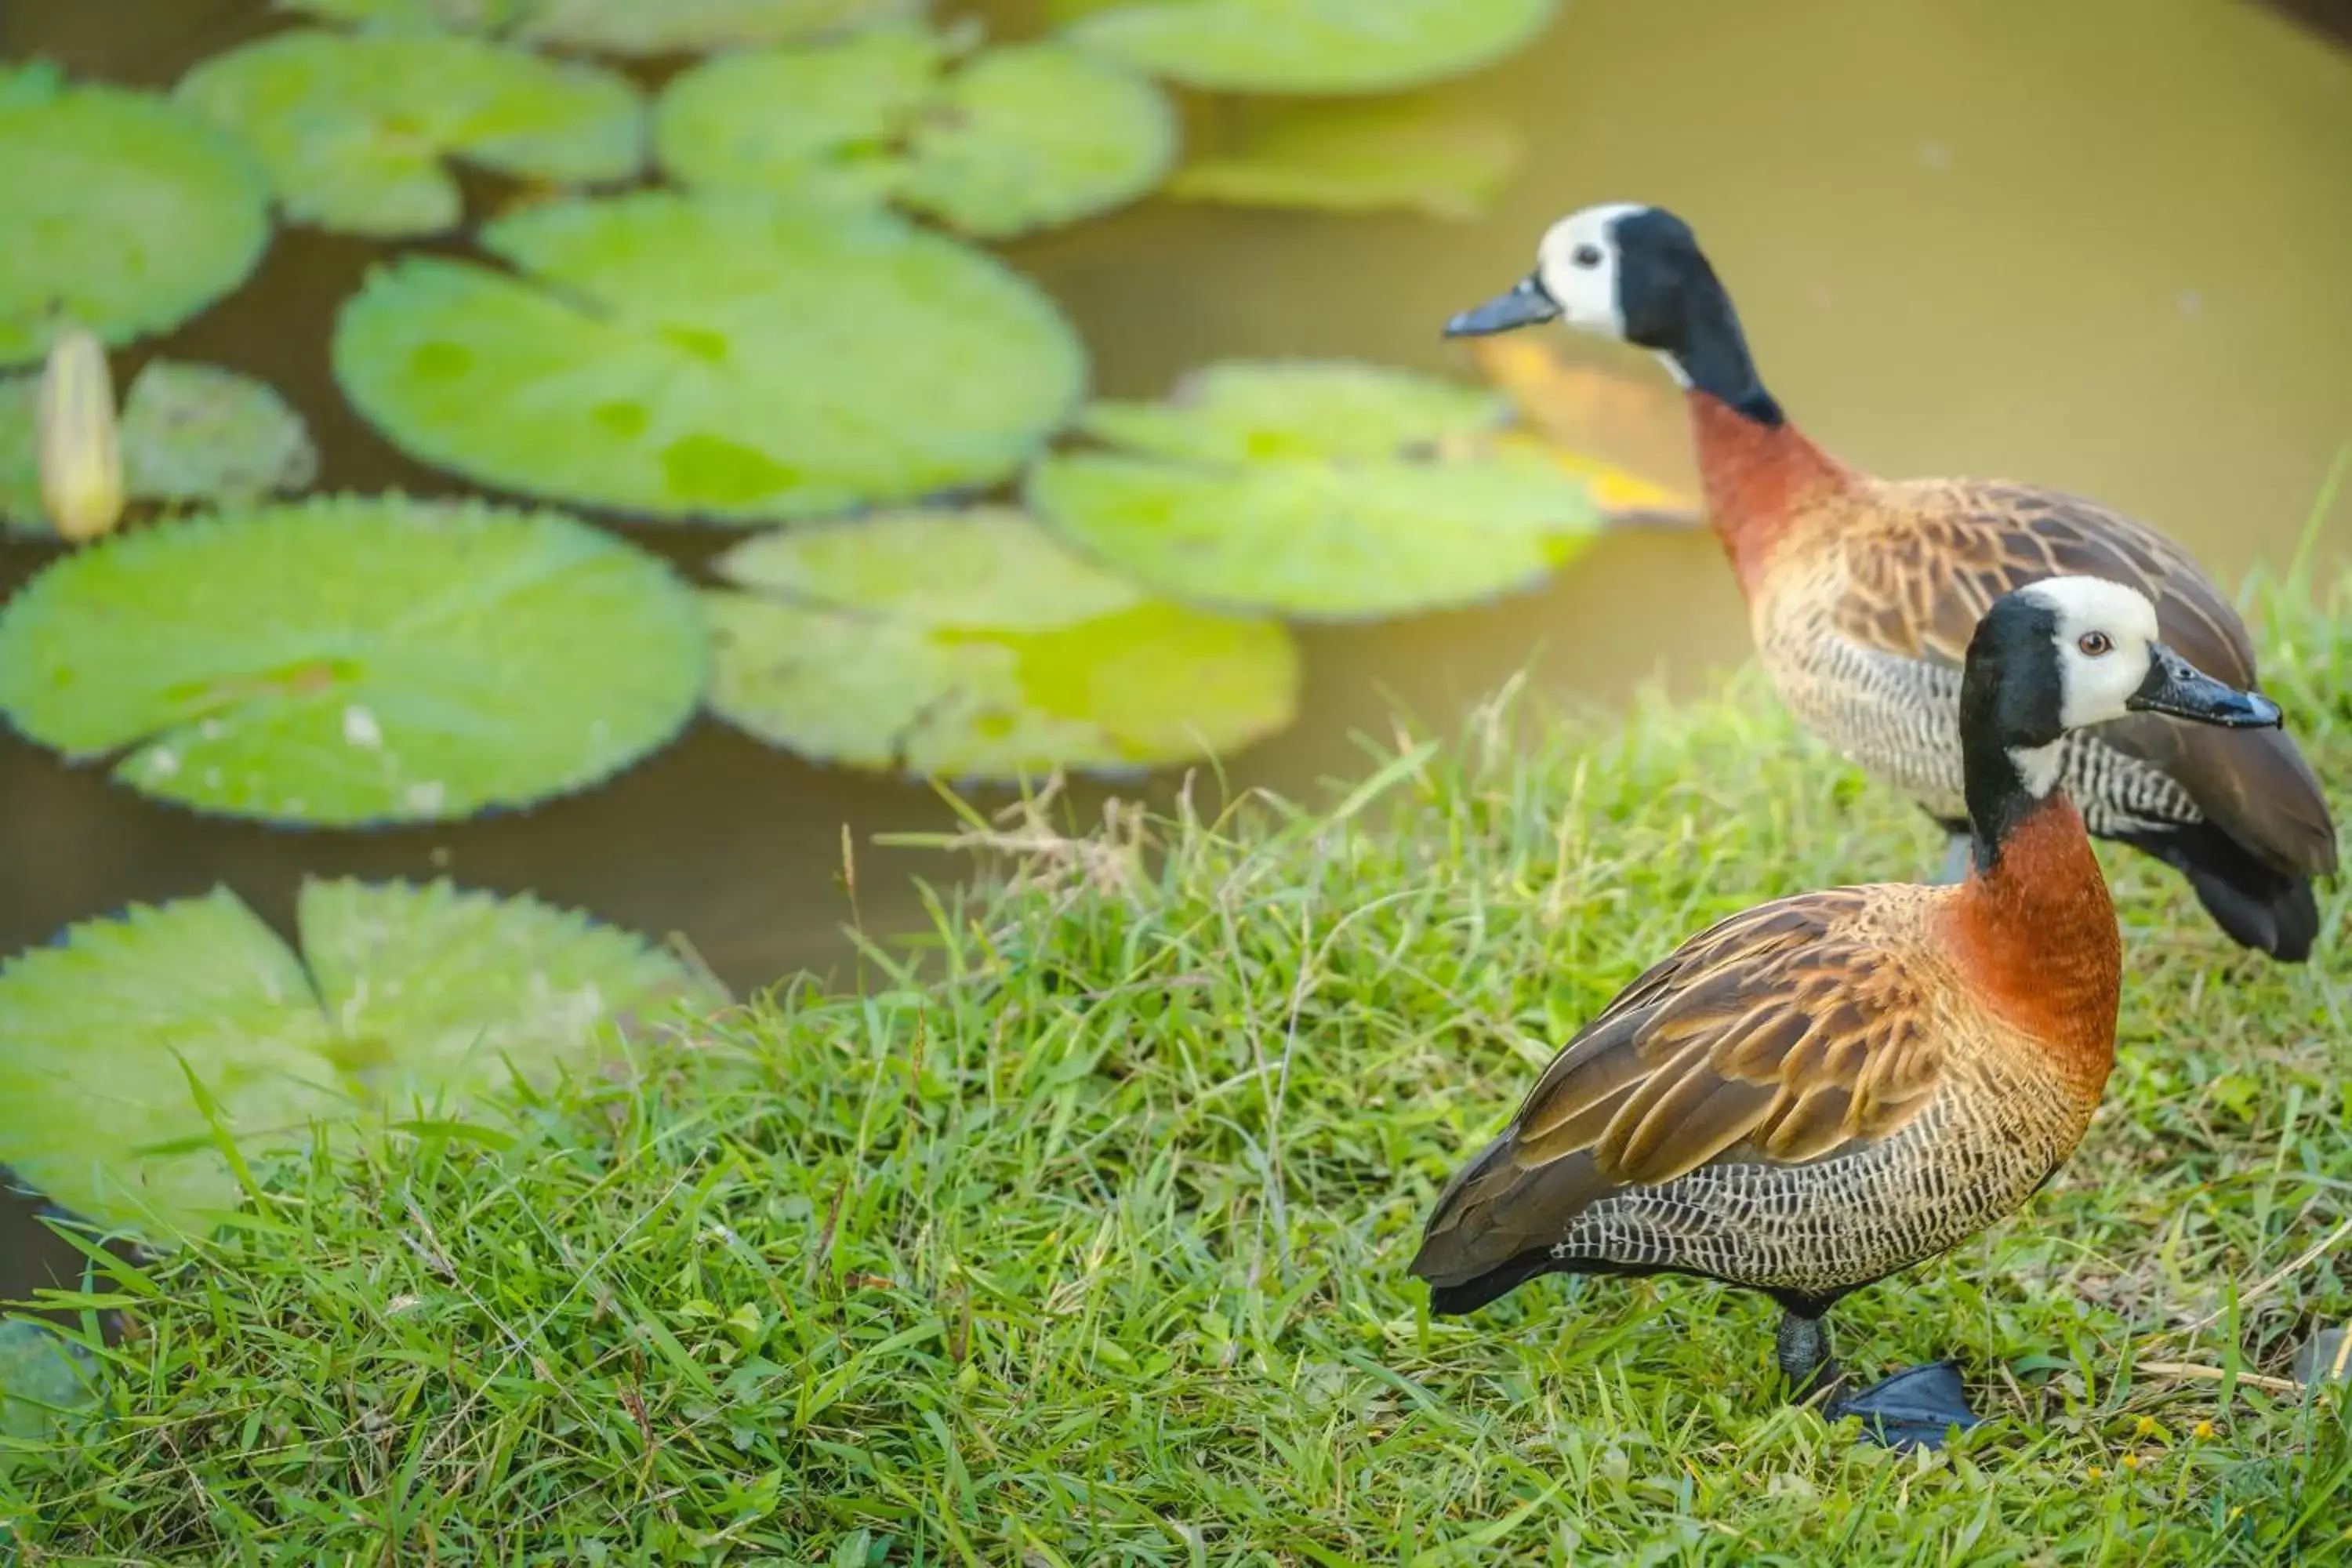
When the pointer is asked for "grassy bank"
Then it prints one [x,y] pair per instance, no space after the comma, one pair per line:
[1079,1237]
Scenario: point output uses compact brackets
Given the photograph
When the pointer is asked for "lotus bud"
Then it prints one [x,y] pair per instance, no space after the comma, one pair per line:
[82,462]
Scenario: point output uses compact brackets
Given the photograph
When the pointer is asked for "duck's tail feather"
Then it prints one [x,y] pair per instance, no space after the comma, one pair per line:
[2259,906]
[1469,1295]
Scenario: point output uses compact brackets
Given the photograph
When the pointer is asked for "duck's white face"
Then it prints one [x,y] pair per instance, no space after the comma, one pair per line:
[2106,643]
[1580,263]
[2109,662]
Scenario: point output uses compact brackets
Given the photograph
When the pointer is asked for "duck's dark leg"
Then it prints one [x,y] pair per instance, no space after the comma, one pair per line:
[1912,1409]
[1803,1344]
[1958,846]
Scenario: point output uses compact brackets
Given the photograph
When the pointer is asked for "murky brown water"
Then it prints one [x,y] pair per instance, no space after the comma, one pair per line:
[2102,244]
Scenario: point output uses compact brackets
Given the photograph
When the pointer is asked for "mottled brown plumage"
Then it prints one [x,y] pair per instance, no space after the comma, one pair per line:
[1811,1094]
[1830,1088]
[1862,594]
[1825,1089]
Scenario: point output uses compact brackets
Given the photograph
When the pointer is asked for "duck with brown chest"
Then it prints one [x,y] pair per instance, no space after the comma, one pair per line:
[1826,1088]
[1862,594]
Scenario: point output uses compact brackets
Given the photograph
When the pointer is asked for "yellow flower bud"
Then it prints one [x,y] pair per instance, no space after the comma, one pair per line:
[82,464]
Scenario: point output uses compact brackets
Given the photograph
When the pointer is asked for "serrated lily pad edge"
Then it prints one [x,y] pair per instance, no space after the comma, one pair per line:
[1087,31]
[115,761]
[146,504]
[153,323]
[1070,342]
[705,991]
[1255,616]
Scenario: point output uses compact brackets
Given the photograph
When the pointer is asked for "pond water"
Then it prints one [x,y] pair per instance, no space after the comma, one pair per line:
[2102,245]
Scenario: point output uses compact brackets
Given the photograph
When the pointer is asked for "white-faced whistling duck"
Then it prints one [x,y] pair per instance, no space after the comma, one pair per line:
[1862,592]
[1828,1088]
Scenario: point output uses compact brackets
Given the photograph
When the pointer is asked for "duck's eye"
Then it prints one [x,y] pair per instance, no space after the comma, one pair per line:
[2095,644]
[1586,256]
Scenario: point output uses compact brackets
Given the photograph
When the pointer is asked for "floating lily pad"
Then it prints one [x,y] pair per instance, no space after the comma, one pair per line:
[972,644]
[433,991]
[1031,135]
[355,660]
[355,130]
[95,1107]
[196,431]
[121,212]
[412,16]
[1385,154]
[1010,140]
[622,27]
[813,121]
[1314,489]
[409,994]
[1255,410]
[189,433]
[43,1379]
[1312,46]
[712,357]
[1626,433]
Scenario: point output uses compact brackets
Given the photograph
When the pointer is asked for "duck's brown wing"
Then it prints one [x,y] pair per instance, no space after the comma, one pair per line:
[1786,1033]
[1940,554]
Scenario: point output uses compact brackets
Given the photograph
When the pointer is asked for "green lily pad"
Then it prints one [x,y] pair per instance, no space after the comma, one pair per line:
[199,433]
[821,122]
[42,1378]
[1312,46]
[189,433]
[716,357]
[354,130]
[1317,490]
[436,992]
[970,644]
[622,27]
[1253,411]
[409,995]
[355,659]
[1384,155]
[1010,140]
[485,16]
[95,1108]
[123,213]
[1031,135]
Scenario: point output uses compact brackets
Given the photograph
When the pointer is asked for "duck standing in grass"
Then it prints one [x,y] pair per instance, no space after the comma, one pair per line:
[1828,1088]
[1862,594]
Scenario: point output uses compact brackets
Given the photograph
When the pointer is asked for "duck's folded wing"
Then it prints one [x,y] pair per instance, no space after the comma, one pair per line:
[1950,549]
[1944,551]
[1787,1033]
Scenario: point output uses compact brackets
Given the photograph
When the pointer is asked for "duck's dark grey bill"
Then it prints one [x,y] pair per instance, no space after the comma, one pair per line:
[2177,686]
[1522,307]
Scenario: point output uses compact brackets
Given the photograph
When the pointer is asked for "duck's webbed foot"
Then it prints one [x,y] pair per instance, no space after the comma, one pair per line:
[1912,1409]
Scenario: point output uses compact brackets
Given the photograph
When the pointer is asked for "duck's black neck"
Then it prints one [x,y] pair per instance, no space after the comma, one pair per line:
[1703,340]
[2002,798]
[2010,731]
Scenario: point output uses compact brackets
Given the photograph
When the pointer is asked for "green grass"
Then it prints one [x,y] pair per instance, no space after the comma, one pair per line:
[1079,1236]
